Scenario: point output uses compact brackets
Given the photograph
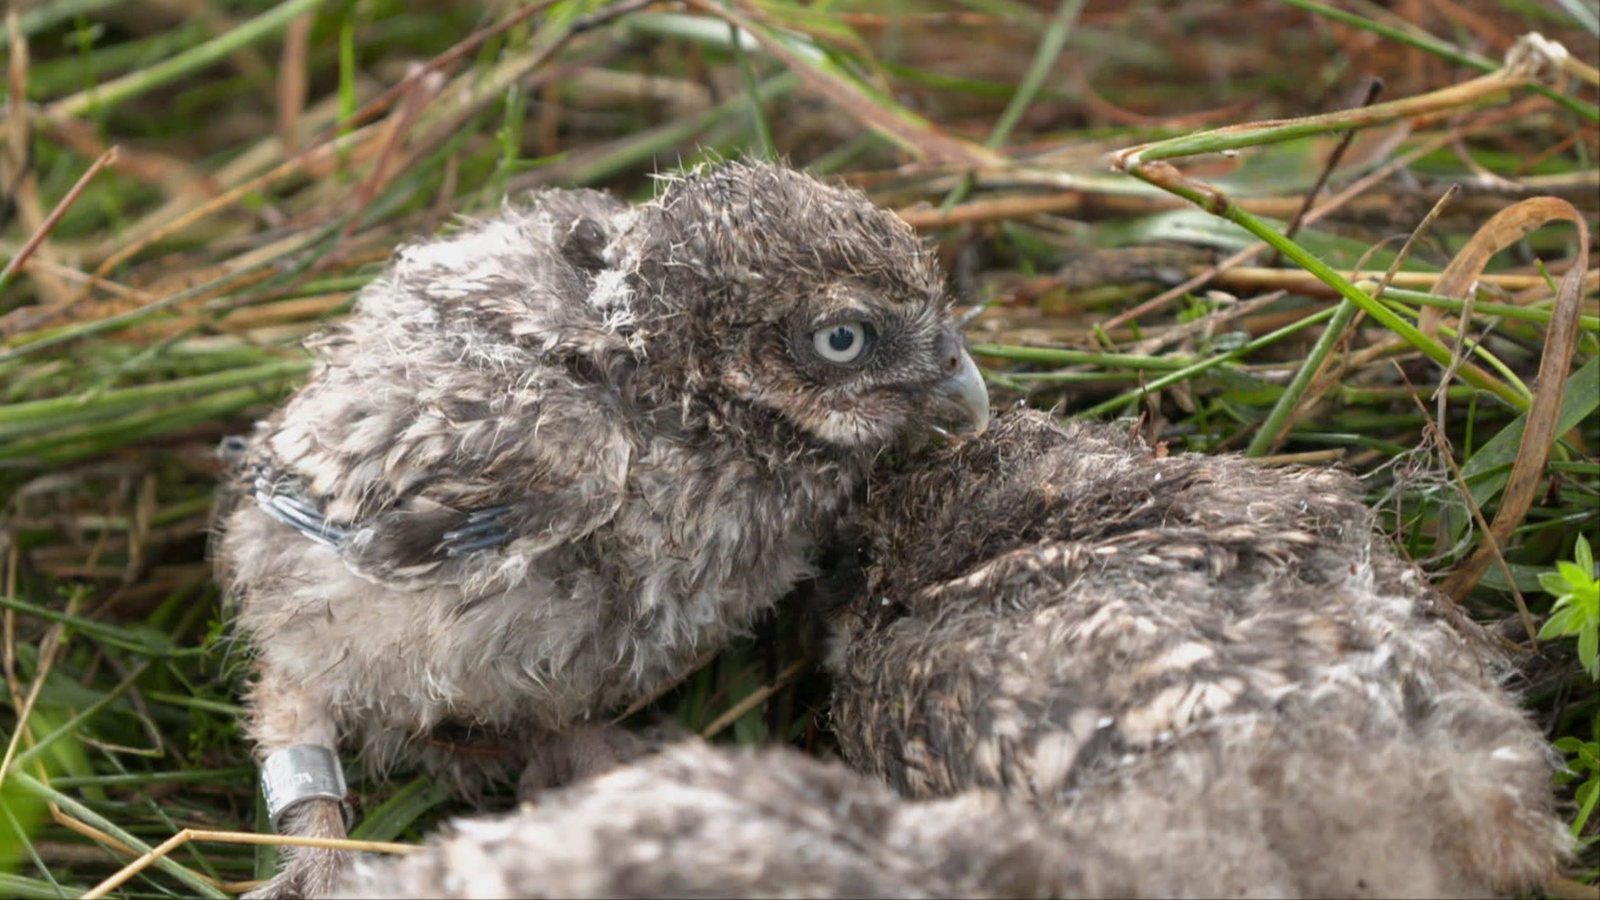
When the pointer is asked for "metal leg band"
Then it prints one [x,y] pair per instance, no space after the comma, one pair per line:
[299,773]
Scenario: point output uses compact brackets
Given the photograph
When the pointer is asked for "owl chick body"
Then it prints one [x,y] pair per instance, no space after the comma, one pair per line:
[1217,670]
[555,457]
[698,821]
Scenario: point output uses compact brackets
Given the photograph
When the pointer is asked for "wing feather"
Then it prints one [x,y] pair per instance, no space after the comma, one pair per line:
[460,411]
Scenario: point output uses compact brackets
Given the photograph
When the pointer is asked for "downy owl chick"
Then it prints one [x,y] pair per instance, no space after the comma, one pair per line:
[552,458]
[700,821]
[1216,670]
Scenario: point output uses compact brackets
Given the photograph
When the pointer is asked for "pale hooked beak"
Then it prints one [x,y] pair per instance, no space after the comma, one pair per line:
[964,390]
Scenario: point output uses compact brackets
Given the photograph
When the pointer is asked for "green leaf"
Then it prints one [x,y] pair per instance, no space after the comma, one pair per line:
[1589,756]
[391,818]
[1588,792]
[1564,622]
[1581,582]
[1554,584]
[1589,651]
[23,887]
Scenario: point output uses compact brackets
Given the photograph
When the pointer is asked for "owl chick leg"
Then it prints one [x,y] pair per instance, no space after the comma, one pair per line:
[296,741]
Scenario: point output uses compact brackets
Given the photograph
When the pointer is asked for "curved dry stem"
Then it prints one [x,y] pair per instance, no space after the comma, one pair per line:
[183,837]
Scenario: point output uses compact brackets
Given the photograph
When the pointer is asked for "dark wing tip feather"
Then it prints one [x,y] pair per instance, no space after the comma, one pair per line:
[295,512]
[484,528]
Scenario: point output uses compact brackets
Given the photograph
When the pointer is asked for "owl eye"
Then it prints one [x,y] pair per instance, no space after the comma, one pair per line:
[842,342]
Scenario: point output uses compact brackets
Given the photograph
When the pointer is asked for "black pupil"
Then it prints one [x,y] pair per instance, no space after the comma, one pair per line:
[841,339]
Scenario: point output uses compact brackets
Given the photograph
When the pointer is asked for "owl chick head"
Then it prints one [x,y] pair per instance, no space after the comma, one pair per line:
[766,287]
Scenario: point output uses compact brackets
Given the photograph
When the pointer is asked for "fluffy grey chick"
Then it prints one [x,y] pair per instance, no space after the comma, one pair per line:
[1218,670]
[555,456]
[698,821]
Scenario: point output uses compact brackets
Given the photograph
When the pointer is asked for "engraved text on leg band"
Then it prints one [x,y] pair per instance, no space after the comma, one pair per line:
[298,773]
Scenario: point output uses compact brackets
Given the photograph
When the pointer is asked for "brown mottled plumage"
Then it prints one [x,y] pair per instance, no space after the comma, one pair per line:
[554,457]
[1216,670]
[698,821]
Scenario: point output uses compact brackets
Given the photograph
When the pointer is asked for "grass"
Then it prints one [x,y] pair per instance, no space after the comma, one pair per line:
[1185,213]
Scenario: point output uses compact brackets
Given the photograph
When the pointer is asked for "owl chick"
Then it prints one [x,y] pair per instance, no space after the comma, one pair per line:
[553,458]
[1217,670]
[698,821]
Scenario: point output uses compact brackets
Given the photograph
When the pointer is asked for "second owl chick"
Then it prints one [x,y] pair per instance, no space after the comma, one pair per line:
[1218,671]
[700,821]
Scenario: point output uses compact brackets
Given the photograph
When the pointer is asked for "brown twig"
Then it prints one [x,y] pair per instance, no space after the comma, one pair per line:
[167,846]
[757,697]
[1561,338]
[49,223]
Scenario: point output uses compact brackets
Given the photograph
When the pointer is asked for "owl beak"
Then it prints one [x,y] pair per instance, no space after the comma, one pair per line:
[966,392]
